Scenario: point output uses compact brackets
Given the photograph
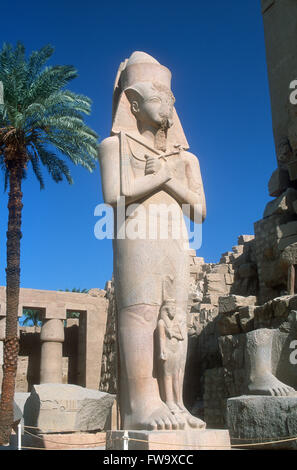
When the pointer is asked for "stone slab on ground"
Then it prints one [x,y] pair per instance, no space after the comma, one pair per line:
[56,408]
[254,419]
[207,439]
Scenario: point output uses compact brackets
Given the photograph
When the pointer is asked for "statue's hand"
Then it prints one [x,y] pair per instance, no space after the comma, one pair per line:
[152,165]
[163,355]
[155,167]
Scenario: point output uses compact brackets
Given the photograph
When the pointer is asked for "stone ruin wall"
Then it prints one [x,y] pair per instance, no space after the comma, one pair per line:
[252,287]
[235,275]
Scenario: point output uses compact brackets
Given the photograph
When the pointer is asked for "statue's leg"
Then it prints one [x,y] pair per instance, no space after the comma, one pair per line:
[140,403]
[168,388]
[177,392]
[192,421]
[261,381]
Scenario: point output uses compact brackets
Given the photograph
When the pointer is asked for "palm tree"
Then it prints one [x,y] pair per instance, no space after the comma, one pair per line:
[32,317]
[40,123]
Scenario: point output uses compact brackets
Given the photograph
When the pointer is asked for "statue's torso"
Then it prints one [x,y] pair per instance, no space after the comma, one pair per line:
[142,264]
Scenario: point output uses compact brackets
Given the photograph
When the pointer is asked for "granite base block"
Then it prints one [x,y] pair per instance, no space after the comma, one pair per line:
[261,419]
[207,439]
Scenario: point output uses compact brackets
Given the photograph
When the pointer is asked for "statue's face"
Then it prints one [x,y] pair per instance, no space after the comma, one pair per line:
[154,108]
[169,310]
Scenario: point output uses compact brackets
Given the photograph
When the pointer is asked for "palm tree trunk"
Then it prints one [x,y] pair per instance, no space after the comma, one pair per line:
[11,342]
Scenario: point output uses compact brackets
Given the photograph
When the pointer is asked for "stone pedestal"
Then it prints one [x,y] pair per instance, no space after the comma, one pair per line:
[256,419]
[52,337]
[208,439]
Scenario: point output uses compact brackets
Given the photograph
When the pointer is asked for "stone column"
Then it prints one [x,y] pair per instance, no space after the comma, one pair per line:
[52,338]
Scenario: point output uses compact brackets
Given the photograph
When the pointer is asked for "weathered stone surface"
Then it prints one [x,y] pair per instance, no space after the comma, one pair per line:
[207,439]
[228,324]
[215,283]
[274,273]
[287,230]
[284,242]
[242,239]
[261,419]
[289,255]
[274,312]
[232,348]
[226,257]
[66,408]
[247,270]
[214,397]
[238,249]
[280,306]
[278,182]
[229,279]
[231,303]
[292,167]
[294,205]
[282,204]
[266,4]
[212,299]
[293,302]
[246,318]
[95,292]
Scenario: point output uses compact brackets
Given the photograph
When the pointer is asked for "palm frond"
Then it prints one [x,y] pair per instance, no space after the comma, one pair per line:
[37,60]
[43,114]
[51,80]
[36,167]
[56,167]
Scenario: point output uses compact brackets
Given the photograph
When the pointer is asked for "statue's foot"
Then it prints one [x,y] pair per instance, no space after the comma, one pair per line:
[154,418]
[164,419]
[174,409]
[192,421]
[269,385]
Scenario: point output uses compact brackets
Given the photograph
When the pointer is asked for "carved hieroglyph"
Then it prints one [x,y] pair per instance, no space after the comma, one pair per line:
[146,160]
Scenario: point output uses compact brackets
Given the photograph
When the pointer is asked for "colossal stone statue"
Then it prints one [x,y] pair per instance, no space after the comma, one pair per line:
[146,164]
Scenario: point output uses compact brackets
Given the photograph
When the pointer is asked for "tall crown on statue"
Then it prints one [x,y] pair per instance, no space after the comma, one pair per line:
[138,72]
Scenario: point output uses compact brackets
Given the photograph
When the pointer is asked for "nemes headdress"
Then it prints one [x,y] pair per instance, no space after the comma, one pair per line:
[140,69]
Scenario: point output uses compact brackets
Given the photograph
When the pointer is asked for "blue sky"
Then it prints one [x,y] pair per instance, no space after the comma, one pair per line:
[216,53]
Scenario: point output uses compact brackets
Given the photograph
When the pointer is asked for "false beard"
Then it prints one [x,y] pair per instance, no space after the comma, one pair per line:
[161,136]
